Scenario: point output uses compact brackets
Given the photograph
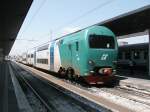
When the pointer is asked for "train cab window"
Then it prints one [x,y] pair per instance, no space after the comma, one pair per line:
[145,55]
[101,41]
[77,46]
[136,55]
[31,55]
[127,55]
[28,55]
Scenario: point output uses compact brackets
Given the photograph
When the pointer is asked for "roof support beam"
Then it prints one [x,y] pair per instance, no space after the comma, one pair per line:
[1,55]
[146,32]
[149,54]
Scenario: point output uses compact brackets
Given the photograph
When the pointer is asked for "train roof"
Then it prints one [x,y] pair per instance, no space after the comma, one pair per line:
[134,46]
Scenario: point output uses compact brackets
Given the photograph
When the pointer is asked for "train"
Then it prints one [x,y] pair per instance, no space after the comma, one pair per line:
[90,54]
[138,53]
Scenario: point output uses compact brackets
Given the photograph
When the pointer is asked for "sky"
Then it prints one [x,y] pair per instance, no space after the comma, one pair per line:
[50,19]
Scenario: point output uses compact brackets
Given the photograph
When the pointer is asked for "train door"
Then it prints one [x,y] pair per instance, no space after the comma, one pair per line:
[34,63]
[75,56]
[70,55]
[52,56]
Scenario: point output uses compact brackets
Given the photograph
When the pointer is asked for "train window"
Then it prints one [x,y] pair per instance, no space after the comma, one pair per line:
[69,46]
[145,54]
[28,55]
[31,55]
[127,55]
[136,55]
[61,41]
[52,54]
[42,61]
[101,41]
[77,46]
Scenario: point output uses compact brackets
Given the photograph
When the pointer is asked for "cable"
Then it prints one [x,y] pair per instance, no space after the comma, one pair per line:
[34,15]
[75,19]
[86,13]
[83,15]
[26,40]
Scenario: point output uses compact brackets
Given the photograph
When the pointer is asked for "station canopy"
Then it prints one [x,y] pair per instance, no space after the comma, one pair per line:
[13,13]
[129,23]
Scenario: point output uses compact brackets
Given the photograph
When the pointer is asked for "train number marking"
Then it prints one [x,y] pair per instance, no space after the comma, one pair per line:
[104,56]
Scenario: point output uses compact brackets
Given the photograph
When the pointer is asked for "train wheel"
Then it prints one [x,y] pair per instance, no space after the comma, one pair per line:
[62,72]
[75,77]
[70,73]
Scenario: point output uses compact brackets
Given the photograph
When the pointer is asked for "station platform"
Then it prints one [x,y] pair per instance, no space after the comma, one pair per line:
[137,83]
[12,98]
[8,101]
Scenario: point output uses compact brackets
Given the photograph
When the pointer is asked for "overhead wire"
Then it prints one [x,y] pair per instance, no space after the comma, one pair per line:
[83,15]
[86,13]
[33,17]
[26,39]
[70,22]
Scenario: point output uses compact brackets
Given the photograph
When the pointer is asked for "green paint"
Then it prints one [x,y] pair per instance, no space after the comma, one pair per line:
[78,57]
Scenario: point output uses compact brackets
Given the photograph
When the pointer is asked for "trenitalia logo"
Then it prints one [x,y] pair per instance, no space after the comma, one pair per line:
[104,56]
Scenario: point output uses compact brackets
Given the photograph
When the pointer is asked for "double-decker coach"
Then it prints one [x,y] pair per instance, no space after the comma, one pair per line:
[90,53]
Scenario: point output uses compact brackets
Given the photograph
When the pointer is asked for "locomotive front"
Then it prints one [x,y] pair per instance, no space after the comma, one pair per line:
[102,49]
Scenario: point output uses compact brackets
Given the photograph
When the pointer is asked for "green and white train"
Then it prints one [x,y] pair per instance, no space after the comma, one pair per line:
[90,53]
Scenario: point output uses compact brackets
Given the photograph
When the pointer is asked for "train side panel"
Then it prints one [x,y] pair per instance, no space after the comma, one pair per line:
[24,58]
[57,60]
[42,57]
[91,54]
[32,57]
[71,52]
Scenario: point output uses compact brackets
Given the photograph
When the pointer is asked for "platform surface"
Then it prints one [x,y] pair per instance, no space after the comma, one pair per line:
[141,84]
[8,102]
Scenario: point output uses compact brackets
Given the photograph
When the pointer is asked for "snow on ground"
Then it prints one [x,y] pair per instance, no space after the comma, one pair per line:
[133,105]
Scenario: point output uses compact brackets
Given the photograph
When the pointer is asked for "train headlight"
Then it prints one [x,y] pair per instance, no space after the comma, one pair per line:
[100,71]
[106,71]
[91,62]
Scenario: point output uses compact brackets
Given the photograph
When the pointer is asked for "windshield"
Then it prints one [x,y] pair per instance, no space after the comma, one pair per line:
[101,41]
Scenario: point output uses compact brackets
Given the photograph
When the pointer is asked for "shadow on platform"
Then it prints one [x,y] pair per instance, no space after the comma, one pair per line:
[136,73]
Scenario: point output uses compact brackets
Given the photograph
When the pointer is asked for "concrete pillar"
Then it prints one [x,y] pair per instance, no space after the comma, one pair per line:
[1,55]
[149,52]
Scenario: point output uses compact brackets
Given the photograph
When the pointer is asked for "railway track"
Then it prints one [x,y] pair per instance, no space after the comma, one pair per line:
[53,99]
[124,92]
[129,95]
[28,89]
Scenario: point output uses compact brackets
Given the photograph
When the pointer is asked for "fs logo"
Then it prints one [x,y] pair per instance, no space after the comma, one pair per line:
[104,56]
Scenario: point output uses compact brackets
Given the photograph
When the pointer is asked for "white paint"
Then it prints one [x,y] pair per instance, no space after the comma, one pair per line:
[133,105]
[133,35]
[44,54]
[29,59]
[57,61]
[104,56]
